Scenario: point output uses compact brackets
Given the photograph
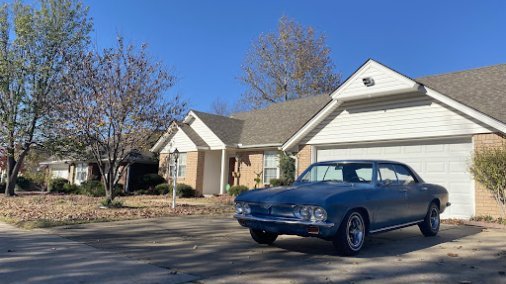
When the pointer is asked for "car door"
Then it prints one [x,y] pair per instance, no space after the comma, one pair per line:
[390,201]
[417,194]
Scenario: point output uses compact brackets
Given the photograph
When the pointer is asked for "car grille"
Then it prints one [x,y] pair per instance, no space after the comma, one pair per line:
[266,209]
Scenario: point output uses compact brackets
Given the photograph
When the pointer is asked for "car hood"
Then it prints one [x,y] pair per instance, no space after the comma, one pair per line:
[311,194]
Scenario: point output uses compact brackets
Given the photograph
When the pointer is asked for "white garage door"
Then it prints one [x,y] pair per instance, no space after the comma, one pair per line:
[441,162]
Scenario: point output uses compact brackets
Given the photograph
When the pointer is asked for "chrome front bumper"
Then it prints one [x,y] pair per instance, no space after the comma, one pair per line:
[281,220]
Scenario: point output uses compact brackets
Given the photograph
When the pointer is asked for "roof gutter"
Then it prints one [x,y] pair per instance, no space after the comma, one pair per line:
[55,162]
[240,146]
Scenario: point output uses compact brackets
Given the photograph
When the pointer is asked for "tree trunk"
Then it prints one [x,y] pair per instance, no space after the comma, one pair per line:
[12,177]
[109,187]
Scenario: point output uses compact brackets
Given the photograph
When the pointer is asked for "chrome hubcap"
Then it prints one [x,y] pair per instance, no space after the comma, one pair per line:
[434,219]
[355,231]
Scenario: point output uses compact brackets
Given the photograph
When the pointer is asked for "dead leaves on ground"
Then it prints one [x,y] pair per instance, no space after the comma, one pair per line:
[53,210]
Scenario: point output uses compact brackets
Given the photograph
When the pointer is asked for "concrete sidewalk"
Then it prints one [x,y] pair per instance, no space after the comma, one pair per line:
[38,257]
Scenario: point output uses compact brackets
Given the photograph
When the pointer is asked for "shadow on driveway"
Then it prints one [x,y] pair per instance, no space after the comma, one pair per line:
[219,250]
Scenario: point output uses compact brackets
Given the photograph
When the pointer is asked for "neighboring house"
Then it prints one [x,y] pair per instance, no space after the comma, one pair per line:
[432,123]
[77,172]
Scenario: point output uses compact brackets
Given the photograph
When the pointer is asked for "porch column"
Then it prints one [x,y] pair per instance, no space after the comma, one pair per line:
[127,179]
[223,175]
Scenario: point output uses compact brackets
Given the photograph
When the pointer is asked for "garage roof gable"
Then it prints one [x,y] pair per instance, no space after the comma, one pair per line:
[374,79]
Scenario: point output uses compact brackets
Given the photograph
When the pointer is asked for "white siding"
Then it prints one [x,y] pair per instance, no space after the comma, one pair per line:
[389,118]
[206,134]
[180,141]
[60,171]
[386,81]
[212,166]
[444,162]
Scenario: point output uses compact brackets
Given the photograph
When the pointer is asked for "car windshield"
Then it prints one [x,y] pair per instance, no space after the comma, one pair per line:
[339,172]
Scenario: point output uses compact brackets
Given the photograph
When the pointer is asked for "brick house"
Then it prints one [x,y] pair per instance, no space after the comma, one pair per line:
[432,123]
[77,172]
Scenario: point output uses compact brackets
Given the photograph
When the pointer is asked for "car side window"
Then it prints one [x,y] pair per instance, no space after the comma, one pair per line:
[334,173]
[404,175]
[364,174]
[386,174]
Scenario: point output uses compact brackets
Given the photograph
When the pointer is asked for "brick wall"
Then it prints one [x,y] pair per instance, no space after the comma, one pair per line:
[199,180]
[194,170]
[303,158]
[485,202]
[162,167]
[251,163]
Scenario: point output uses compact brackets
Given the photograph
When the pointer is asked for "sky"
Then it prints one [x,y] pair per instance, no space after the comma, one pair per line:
[204,43]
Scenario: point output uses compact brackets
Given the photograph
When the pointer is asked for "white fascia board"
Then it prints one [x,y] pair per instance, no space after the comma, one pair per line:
[161,142]
[268,145]
[500,126]
[311,124]
[368,95]
[55,162]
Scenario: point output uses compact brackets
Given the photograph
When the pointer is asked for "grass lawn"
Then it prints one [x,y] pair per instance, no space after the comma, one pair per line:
[39,211]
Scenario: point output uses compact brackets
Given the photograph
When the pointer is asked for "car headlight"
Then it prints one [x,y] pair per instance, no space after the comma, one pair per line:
[320,214]
[238,208]
[313,213]
[246,209]
[305,212]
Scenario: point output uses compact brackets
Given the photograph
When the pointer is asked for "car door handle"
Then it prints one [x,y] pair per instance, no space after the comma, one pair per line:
[403,190]
[424,188]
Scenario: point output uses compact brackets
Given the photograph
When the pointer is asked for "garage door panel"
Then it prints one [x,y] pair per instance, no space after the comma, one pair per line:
[435,148]
[458,167]
[443,162]
[435,167]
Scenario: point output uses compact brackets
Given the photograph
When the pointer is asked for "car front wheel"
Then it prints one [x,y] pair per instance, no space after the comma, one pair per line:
[430,225]
[263,237]
[351,234]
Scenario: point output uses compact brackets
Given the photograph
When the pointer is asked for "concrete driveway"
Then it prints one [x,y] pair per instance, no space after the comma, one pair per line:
[218,250]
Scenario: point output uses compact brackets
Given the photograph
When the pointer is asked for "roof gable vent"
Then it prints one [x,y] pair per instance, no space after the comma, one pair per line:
[368,81]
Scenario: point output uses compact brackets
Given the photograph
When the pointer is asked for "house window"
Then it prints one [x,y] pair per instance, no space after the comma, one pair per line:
[271,166]
[181,166]
[81,173]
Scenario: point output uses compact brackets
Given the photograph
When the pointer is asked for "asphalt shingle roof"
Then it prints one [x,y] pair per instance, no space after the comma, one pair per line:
[483,89]
[272,125]
[226,128]
[278,122]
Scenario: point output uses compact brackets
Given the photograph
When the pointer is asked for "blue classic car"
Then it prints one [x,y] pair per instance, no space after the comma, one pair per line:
[343,201]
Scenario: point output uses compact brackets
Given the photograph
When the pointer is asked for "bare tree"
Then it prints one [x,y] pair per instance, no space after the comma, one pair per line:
[220,107]
[289,64]
[115,105]
[35,44]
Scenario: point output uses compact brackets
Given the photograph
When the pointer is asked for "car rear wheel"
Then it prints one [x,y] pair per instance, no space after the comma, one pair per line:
[263,237]
[430,225]
[351,235]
